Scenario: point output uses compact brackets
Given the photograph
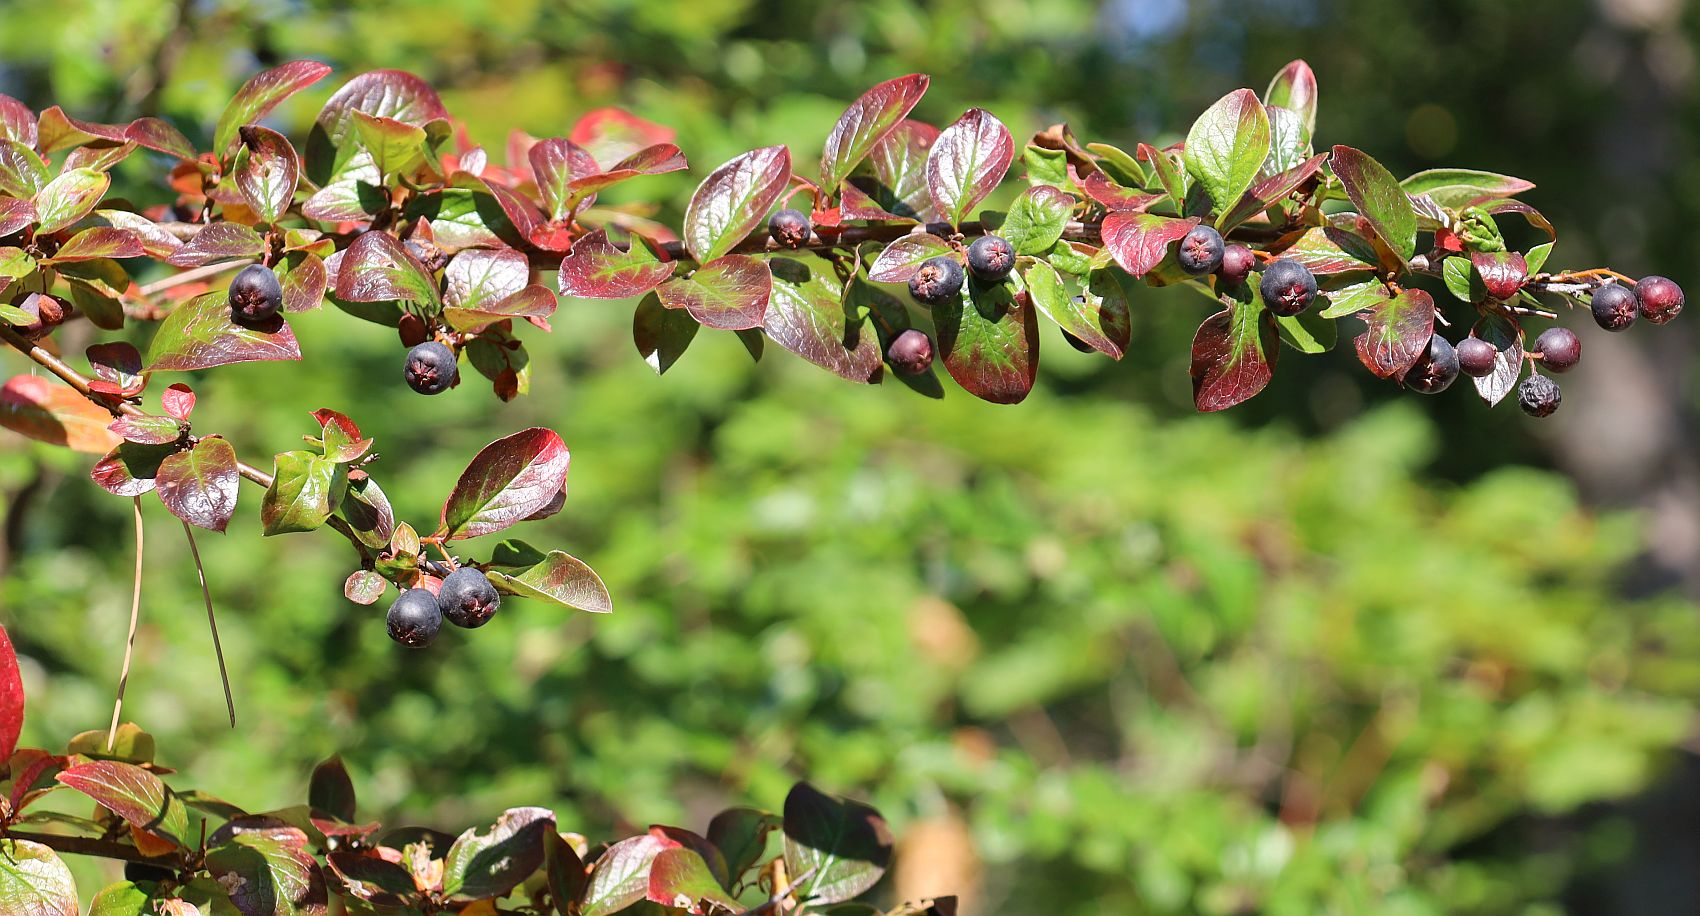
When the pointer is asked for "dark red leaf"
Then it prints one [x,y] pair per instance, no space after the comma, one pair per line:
[11,697]
[506,481]
[596,269]
[219,241]
[199,335]
[990,343]
[160,136]
[651,160]
[99,242]
[1399,331]
[733,200]
[118,362]
[1140,241]
[1115,197]
[730,293]
[376,267]
[17,121]
[1233,356]
[267,171]
[866,122]
[1503,273]
[199,485]
[555,164]
[967,162]
[263,92]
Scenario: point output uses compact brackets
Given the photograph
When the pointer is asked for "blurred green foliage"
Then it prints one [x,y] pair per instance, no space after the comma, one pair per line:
[1158,663]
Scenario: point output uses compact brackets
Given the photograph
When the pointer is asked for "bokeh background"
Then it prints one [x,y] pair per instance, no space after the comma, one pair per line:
[1342,650]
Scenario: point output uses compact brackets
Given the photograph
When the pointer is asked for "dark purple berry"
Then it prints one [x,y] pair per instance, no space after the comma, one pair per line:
[1288,287]
[1539,396]
[1615,307]
[1476,357]
[790,228]
[1661,299]
[1559,348]
[910,353]
[990,259]
[1201,251]
[430,368]
[1237,264]
[467,598]
[414,618]
[255,295]
[937,280]
[1435,369]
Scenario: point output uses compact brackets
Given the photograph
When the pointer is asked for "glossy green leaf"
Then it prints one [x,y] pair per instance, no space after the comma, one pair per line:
[660,333]
[306,488]
[1455,189]
[1227,146]
[561,579]
[376,267]
[34,881]
[396,147]
[506,481]
[480,866]
[1378,198]
[730,293]
[989,341]
[807,315]
[68,198]
[1233,354]
[1099,317]
[1036,219]
[199,335]
[733,200]
[132,793]
[680,878]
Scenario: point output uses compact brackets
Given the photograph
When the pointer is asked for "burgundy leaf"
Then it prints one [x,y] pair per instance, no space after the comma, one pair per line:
[17,121]
[1233,356]
[733,200]
[729,293]
[1140,241]
[479,277]
[304,284]
[132,793]
[1398,333]
[160,136]
[556,164]
[267,171]
[506,481]
[1115,197]
[904,256]
[854,203]
[156,241]
[967,162]
[1529,213]
[1503,273]
[56,130]
[199,485]
[393,94]
[1506,335]
[199,335]
[148,430]
[651,160]
[900,170]
[1326,250]
[100,242]
[990,343]
[807,315]
[377,268]
[221,241]
[118,362]
[866,122]
[263,92]
[1272,190]
[11,697]
[129,469]
[596,269]
[15,214]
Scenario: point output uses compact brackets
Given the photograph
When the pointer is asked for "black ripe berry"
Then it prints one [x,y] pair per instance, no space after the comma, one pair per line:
[1288,287]
[937,281]
[910,353]
[1539,396]
[1476,357]
[1201,251]
[255,295]
[415,618]
[467,598]
[430,368]
[1615,307]
[1435,369]
[1661,299]
[990,258]
[789,228]
[1560,349]
[1237,264]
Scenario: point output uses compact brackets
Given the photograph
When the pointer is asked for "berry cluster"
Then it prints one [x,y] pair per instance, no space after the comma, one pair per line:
[465,597]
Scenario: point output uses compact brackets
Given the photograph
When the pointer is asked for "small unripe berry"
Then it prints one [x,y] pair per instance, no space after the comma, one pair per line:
[937,280]
[1560,349]
[1435,369]
[1201,251]
[910,353]
[990,258]
[1476,357]
[1661,299]
[789,228]
[467,598]
[414,618]
[1615,307]
[1237,264]
[1539,396]
[256,296]
[430,368]
[1288,287]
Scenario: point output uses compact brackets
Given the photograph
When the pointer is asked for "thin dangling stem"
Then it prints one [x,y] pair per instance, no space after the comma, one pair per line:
[130,642]
[212,623]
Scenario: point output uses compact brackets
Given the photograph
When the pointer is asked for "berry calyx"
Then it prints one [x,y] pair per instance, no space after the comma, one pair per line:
[910,353]
[789,228]
[1539,396]
[1661,299]
[430,368]
[1615,307]
[1237,264]
[937,280]
[1288,287]
[467,598]
[990,258]
[414,618]
[1559,348]
[256,296]
[1435,370]
[1476,357]
[1201,251]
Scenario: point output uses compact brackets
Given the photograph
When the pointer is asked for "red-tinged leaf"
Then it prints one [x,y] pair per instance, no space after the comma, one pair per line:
[267,170]
[661,334]
[1294,89]
[351,430]
[1140,241]
[118,362]
[1273,190]
[392,94]
[533,303]
[506,481]
[899,164]
[268,869]
[1496,207]
[900,259]
[1233,355]
[967,162]
[558,578]
[219,241]
[556,164]
[353,192]
[1503,273]
[477,278]
[842,846]
[990,342]
[22,172]
[1398,333]
[15,214]
[129,469]
[17,121]
[396,147]
[1506,335]
[304,283]
[50,412]
[263,92]
[729,294]
[620,876]
[178,400]
[99,242]
[854,203]
[199,485]
[34,881]
[1378,198]
[1100,318]
[1115,197]
[596,269]
[1459,188]
[481,866]
[11,698]
[651,160]
[369,877]
[866,122]
[1325,251]
[522,214]
[364,587]
[56,130]
[808,316]
[733,200]
[1226,147]
[99,158]
[160,136]
[680,878]
[199,335]
[156,241]
[133,794]
[611,134]
[68,198]
[376,267]
[148,430]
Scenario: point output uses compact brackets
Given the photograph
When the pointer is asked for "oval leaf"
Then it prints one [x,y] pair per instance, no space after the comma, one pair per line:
[1378,198]
[990,343]
[267,170]
[1506,335]
[1398,333]
[559,578]
[199,335]
[807,315]
[596,269]
[1140,241]
[221,241]
[1233,355]
[733,200]
[843,846]
[199,485]
[620,876]
[132,793]
[730,294]
[865,123]
[263,92]
[376,267]
[480,866]
[966,163]
[34,881]
[680,877]
[68,198]
[1294,89]
[899,260]
[1226,147]
[48,412]
[506,481]
[11,697]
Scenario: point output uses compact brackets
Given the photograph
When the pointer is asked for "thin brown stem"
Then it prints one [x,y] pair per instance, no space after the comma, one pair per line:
[130,641]
[191,275]
[89,846]
[212,623]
